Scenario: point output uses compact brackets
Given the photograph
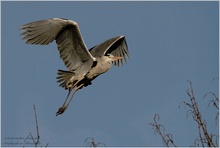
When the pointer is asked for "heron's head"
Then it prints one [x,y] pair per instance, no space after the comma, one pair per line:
[112,58]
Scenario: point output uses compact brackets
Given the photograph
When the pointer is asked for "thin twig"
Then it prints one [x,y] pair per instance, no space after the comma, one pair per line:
[38,135]
[92,143]
[167,138]
[198,118]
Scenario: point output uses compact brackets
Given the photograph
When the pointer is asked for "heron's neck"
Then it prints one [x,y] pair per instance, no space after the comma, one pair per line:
[102,66]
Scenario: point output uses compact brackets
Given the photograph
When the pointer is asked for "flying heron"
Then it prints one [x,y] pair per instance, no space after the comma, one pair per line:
[83,65]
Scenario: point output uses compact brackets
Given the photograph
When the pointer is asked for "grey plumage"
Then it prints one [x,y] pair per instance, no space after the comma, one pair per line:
[83,65]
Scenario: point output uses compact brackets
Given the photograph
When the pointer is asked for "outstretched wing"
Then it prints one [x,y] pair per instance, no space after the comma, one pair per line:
[116,46]
[70,43]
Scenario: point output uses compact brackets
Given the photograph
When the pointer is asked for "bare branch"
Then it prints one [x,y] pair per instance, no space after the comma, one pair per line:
[215,101]
[90,142]
[205,139]
[197,116]
[160,129]
[38,135]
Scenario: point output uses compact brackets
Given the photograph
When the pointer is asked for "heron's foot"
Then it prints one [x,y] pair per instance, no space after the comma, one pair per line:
[61,110]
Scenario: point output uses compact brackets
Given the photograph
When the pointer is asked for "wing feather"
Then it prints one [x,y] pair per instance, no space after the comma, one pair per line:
[116,46]
[71,46]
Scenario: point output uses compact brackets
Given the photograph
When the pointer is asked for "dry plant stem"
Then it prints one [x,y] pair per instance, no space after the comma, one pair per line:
[200,136]
[92,142]
[157,128]
[38,135]
[198,118]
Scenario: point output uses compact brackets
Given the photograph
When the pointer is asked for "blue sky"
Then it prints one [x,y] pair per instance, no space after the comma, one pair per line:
[169,44]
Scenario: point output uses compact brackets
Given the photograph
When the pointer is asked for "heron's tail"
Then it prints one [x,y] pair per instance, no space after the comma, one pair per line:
[65,78]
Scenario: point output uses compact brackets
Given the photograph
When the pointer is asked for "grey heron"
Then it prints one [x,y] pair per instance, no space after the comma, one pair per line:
[83,65]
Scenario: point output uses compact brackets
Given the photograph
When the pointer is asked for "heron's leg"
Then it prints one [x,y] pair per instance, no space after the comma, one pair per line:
[70,90]
[77,88]
[67,97]
[64,107]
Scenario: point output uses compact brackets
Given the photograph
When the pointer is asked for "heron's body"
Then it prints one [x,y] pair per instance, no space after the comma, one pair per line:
[99,67]
[83,65]
[103,65]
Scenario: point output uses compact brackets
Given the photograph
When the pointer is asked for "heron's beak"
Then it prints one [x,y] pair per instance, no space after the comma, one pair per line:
[116,58]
